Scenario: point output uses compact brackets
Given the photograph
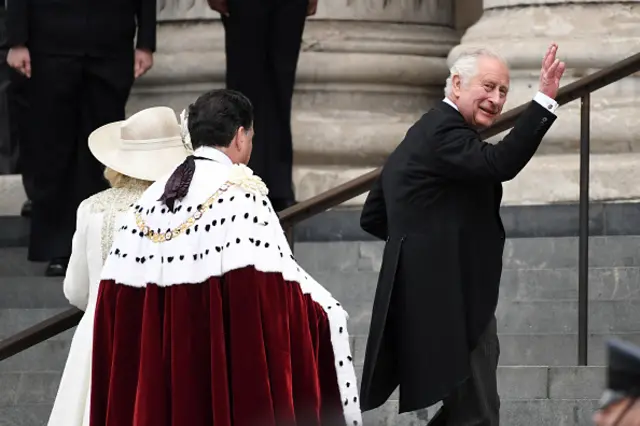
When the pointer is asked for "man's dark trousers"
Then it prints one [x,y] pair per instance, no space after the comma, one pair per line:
[476,402]
[69,97]
[82,55]
[263,40]
[8,142]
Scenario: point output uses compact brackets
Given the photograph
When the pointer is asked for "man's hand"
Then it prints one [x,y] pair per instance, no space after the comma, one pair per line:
[219,6]
[551,72]
[312,8]
[19,59]
[142,62]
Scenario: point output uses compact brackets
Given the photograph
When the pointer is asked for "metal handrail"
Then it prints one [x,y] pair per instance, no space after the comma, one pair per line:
[580,89]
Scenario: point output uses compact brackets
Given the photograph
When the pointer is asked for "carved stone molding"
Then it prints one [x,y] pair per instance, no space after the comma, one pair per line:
[491,4]
[435,12]
[185,10]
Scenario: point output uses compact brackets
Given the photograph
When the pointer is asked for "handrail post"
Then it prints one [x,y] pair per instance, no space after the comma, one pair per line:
[583,251]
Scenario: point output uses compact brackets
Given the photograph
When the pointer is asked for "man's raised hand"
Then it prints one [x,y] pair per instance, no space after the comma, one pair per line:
[551,72]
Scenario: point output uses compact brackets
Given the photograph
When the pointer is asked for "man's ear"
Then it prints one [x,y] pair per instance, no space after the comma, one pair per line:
[456,85]
[235,142]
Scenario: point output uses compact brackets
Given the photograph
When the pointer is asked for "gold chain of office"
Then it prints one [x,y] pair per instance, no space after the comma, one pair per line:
[161,237]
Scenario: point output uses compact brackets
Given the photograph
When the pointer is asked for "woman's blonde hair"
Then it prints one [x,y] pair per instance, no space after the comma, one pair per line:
[119,180]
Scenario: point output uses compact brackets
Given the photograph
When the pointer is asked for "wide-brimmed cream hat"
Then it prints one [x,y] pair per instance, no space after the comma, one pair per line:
[147,145]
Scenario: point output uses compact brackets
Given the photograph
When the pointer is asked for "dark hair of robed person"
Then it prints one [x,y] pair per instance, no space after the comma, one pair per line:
[214,118]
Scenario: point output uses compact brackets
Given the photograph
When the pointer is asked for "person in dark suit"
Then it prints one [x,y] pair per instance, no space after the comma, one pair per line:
[80,60]
[436,203]
[8,149]
[12,104]
[262,39]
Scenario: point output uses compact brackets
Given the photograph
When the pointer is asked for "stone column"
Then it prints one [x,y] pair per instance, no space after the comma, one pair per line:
[591,34]
[368,69]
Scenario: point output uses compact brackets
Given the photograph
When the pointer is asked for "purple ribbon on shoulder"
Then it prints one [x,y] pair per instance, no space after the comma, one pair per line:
[179,182]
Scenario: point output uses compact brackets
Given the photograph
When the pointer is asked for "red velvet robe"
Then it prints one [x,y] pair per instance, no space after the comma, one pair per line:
[219,325]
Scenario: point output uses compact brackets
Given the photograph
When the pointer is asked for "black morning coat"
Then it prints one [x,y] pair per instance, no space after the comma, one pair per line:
[82,27]
[437,206]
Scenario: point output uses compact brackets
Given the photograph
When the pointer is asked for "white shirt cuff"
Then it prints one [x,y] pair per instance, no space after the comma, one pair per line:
[546,102]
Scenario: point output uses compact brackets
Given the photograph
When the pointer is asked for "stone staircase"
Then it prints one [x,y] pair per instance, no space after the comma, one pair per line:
[537,316]
[537,319]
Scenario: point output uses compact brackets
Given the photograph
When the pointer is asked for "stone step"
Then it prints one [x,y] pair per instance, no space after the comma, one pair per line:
[514,383]
[29,292]
[538,412]
[536,317]
[533,349]
[516,349]
[15,320]
[518,287]
[28,387]
[14,263]
[561,316]
[531,332]
[556,349]
[530,395]
[606,284]
[544,382]
[519,253]
[48,356]
[25,414]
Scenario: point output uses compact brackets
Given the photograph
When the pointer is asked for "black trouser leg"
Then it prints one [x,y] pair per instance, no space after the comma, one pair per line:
[48,152]
[7,150]
[246,32]
[8,146]
[288,20]
[68,98]
[18,119]
[476,402]
[262,46]
[106,86]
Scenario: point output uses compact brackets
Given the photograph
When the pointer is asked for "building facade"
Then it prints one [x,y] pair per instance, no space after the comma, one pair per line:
[369,68]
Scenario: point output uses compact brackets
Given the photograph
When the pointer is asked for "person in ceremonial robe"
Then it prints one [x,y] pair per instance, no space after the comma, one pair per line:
[135,152]
[203,316]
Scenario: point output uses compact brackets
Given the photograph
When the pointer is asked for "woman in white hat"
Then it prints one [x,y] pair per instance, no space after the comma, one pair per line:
[136,152]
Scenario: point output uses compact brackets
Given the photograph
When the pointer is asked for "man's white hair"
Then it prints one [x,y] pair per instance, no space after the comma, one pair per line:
[466,66]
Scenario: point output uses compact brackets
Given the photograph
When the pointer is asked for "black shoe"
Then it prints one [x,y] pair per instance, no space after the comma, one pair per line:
[26,209]
[57,267]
